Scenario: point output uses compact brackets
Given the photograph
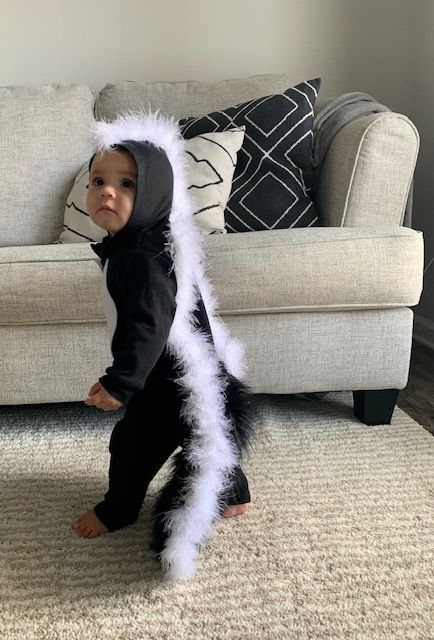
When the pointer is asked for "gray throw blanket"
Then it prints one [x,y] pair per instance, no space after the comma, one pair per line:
[335,113]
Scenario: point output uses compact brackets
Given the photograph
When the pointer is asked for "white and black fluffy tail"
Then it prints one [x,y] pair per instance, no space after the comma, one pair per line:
[171,496]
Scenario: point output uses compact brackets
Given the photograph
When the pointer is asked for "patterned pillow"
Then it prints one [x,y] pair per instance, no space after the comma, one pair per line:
[211,161]
[273,177]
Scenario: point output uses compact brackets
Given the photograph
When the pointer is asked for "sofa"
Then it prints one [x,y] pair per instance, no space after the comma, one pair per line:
[319,309]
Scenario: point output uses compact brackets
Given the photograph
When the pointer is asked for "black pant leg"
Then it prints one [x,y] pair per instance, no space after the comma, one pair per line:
[238,492]
[141,442]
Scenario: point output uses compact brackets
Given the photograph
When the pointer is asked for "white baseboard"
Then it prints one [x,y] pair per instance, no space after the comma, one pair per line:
[423,331]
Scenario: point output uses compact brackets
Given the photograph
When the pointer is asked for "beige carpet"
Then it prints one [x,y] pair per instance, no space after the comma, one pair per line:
[339,542]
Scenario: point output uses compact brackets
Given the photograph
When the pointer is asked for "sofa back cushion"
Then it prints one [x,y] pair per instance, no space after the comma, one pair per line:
[210,164]
[182,99]
[281,123]
[45,136]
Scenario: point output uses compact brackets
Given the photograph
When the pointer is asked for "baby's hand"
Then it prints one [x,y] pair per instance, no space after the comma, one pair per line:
[100,398]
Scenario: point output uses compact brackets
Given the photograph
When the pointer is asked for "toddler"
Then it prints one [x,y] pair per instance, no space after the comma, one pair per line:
[175,367]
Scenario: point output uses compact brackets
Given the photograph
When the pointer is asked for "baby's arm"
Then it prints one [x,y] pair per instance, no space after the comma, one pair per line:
[148,298]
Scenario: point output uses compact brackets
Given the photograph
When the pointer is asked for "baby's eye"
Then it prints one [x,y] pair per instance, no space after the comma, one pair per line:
[127,184]
[97,182]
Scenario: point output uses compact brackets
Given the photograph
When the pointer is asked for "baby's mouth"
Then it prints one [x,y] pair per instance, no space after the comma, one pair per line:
[106,209]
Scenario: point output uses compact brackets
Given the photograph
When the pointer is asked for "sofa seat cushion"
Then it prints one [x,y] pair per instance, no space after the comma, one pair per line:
[288,270]
[50,284]
[316,269]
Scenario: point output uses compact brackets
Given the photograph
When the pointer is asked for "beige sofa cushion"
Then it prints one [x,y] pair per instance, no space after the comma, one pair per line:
[47,284]
[182,99]
[315,269]
[288,270]
[45,138]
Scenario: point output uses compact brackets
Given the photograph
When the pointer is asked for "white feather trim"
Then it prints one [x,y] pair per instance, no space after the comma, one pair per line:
[211,448]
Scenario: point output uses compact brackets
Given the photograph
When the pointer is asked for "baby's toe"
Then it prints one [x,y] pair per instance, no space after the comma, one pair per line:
[77,527]
[88,525]
[76,523]
[82,529]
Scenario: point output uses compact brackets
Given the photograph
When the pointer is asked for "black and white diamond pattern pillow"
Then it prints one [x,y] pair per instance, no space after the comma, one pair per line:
[211,161]
[273,178]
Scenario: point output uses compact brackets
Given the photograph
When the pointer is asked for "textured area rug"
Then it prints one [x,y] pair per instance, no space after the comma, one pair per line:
[339,541]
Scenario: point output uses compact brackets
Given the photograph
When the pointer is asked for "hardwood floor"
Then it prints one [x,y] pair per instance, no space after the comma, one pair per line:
[417,399]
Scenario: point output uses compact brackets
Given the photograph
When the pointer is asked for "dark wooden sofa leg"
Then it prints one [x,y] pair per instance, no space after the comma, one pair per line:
[375,407]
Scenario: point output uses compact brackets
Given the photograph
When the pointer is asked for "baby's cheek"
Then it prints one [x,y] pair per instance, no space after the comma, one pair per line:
[90,201]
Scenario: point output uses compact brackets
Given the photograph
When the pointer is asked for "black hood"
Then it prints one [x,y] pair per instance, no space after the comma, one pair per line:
[153,202]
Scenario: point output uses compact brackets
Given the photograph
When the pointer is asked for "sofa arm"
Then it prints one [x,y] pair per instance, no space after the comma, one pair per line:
[367,172]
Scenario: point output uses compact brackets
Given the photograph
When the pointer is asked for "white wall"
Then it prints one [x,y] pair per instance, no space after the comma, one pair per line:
[382,47]
[422,113]
[351,44]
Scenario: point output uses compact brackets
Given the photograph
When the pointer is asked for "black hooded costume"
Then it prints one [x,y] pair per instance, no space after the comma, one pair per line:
[175,366]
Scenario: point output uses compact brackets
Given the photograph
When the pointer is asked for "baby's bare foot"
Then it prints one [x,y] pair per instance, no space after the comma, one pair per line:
[236,510]
[88,525]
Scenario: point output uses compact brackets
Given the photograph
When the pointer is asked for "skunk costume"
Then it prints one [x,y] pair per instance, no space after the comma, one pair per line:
[174,362]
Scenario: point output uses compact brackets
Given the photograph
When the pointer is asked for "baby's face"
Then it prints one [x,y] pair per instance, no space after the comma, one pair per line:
[112,190]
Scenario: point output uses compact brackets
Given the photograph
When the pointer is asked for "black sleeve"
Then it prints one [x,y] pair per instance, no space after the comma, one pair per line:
[148,300]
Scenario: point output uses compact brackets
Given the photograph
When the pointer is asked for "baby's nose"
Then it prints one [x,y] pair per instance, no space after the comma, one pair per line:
[107,190]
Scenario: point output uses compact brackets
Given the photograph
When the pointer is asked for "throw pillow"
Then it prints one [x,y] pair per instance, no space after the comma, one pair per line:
[273,178]
[210,161]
